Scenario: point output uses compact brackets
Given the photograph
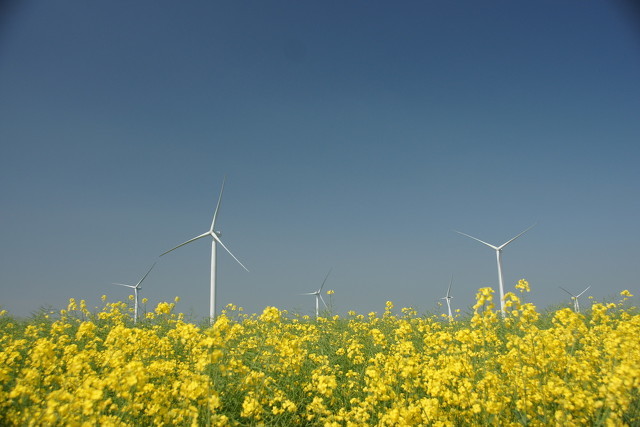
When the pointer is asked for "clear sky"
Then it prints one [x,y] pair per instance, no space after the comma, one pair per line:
[355,135]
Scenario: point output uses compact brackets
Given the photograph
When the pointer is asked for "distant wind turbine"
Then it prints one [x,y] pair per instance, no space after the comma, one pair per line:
[448,298]
[136,288]
[318,295]
[215,239]
[576,304]
[498,250]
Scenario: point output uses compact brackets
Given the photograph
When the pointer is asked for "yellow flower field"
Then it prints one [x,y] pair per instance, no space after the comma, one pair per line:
[560,368]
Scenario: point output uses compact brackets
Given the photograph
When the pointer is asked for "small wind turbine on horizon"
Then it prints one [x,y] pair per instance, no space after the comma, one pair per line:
[498,250]
[215,239]
[448,298]
[576,304]
[318,295]
[136,288]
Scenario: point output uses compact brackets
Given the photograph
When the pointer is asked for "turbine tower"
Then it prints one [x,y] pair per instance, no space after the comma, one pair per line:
[319,295]
[215,240]
[136,288]
[448,298]
[576,304]
[498,250]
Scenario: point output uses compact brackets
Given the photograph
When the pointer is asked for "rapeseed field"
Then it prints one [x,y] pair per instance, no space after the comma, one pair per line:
[78,367]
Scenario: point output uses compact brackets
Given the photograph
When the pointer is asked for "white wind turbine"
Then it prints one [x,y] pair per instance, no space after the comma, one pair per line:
[136,288]
[215,239]
[498,250]
[448,298]
[318,295]
[576,304]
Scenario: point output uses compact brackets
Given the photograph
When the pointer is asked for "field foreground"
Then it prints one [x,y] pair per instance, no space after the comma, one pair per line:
[558,368]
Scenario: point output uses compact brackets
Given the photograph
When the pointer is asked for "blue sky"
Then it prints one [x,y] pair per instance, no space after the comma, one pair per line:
[354,136]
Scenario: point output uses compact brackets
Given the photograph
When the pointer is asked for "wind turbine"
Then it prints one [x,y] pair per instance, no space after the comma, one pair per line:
[215,239]
[448,298]
[136,288]
[576,304]
[319,295]
[498,250]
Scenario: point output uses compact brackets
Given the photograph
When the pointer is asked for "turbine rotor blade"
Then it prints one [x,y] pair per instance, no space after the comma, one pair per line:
[145,276]
[583,291]
[449,289]
[188,241]
[325,280]
[322,299]
[567,291]
[122,284]
[225,248]
[505,244]
[475,238]
[215,214]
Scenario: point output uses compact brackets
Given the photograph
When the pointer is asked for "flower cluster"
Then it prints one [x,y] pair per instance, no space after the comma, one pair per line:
[275,368]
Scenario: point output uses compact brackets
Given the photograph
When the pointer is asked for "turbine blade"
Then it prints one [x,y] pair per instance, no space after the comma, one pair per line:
[145,276]
[325,280]
[122,284]
[580,294]
[566,291]
[322,299]
[475,238]
[505,244]
[309,293]
[225,248]
[215,214]
[188,241]
[449,289]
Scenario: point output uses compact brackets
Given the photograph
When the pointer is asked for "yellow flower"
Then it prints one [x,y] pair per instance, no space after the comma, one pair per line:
[523,286]
[164,308]
[250,407]
[270,314]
